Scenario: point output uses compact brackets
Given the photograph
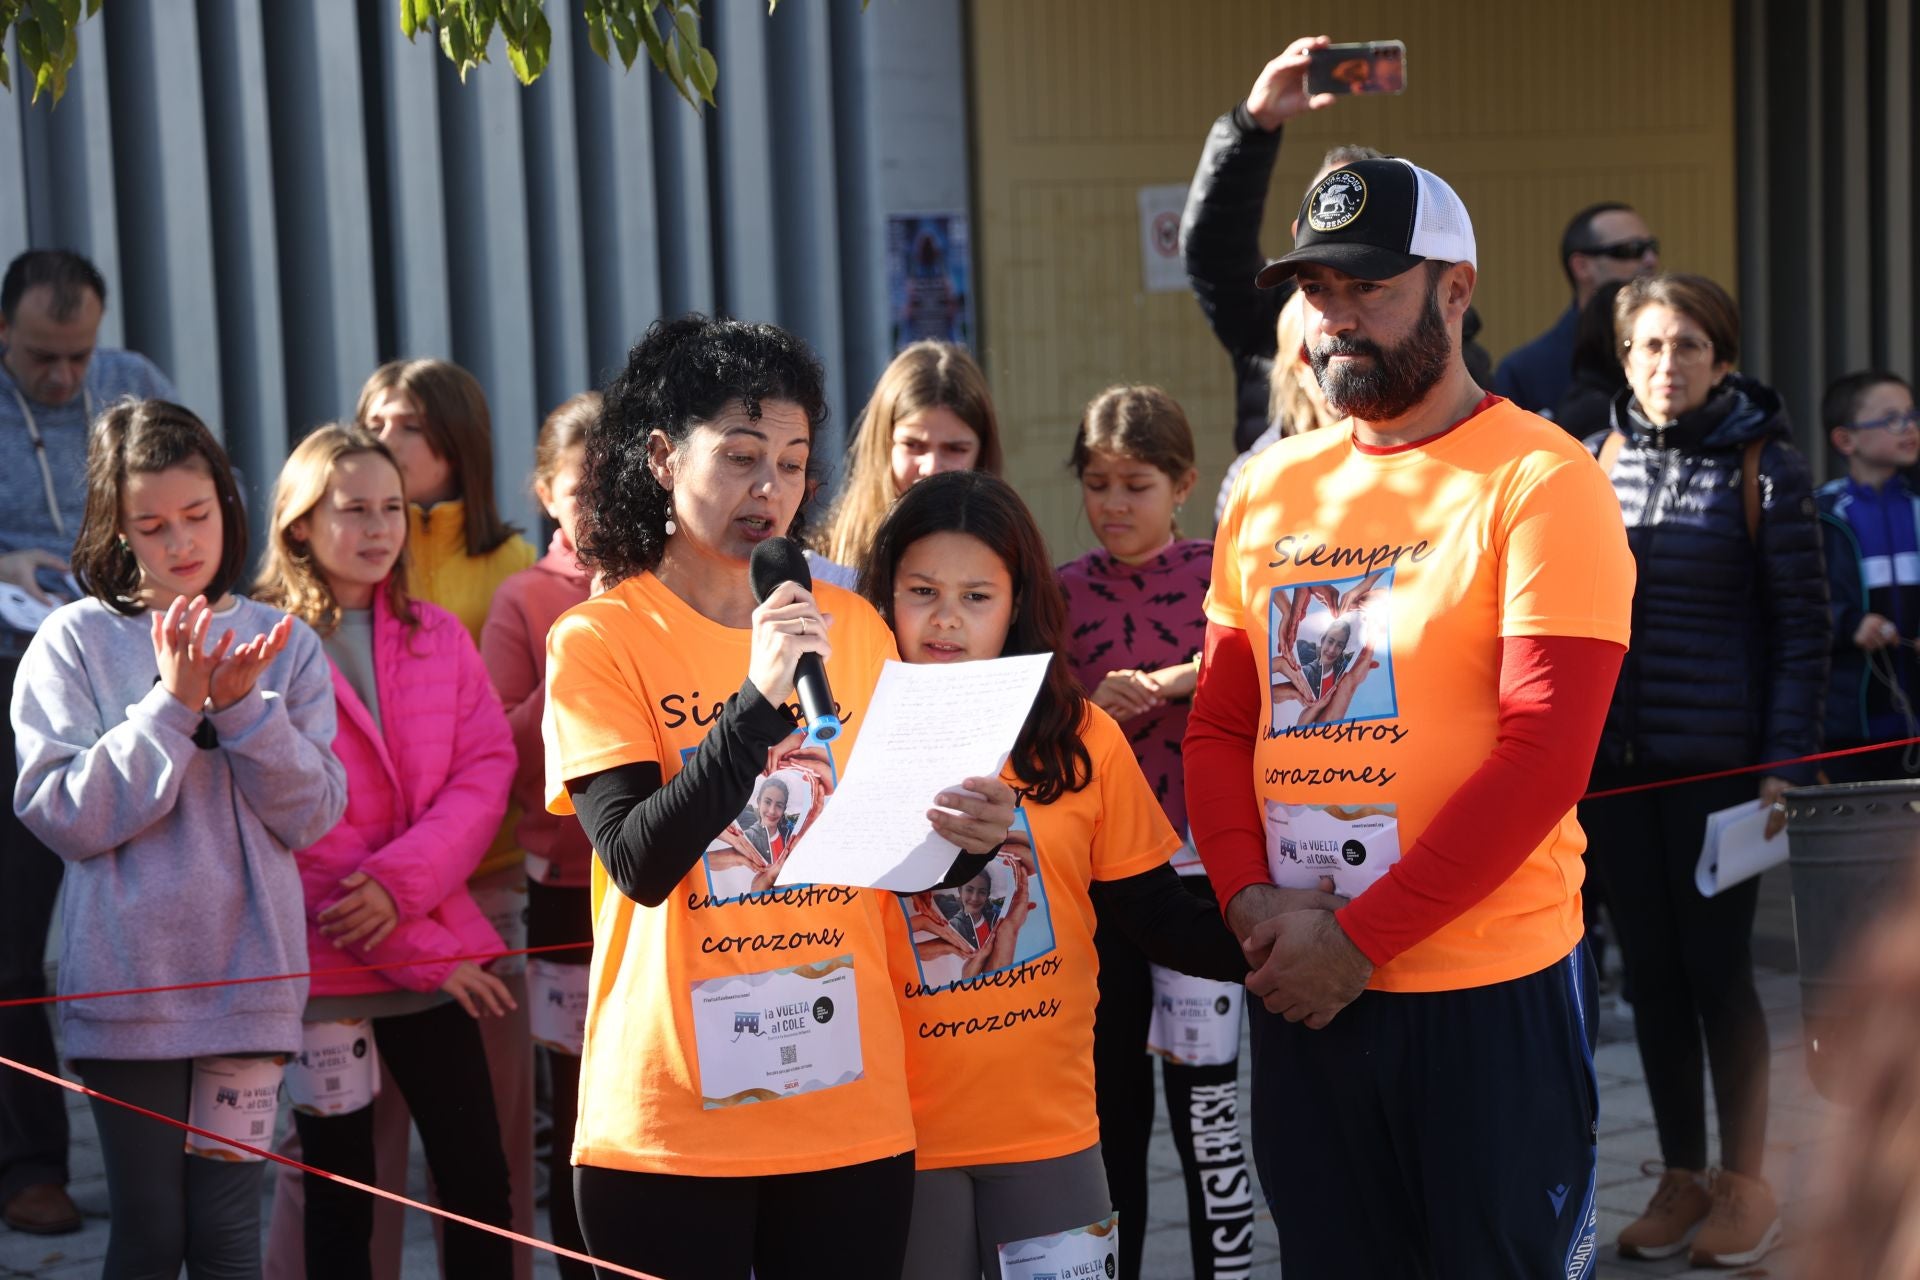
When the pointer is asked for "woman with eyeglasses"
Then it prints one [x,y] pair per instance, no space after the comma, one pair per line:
[1870,520]
[1727,670]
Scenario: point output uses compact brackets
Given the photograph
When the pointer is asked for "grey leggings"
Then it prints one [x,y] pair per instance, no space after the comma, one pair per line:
[169,1207]
[962,1216]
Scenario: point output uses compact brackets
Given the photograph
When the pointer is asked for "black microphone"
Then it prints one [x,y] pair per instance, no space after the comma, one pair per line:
[779,560]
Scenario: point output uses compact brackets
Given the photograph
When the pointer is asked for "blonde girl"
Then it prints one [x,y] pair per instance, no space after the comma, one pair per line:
[428,760]
[929,412]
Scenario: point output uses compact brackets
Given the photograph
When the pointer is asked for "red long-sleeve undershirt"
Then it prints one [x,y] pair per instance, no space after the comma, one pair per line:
[1554,692]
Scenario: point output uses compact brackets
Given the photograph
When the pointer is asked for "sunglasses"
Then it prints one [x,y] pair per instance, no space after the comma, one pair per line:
[1624,250]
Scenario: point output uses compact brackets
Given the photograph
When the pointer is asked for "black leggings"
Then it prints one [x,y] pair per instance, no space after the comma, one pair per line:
[169,1208]
[558,915]
[850,1221]
[1689,962]
[437,1061]
[1202,1110]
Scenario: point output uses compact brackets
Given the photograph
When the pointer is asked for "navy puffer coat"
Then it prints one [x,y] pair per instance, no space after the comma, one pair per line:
[1728,664]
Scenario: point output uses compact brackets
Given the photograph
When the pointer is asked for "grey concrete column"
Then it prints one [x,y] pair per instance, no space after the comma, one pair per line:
[621,230]
[166,224]
[325,244]
[559,270]
[70,172]
[413,218]
[246,260]
[490,283]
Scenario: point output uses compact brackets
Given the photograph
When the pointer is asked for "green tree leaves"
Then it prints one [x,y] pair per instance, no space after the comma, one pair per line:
[669,30]
[48,36]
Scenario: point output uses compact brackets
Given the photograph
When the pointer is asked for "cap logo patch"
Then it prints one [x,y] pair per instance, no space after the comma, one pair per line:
[1337,201]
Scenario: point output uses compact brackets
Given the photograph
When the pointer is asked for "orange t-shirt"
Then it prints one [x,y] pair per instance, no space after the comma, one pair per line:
[731,1031]
[998,1012]
[1374,590]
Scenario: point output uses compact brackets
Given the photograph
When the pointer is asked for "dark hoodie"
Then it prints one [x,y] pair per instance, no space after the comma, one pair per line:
[1728,664]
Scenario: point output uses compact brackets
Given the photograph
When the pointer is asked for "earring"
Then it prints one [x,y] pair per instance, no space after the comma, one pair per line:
[124,544]
[672,528]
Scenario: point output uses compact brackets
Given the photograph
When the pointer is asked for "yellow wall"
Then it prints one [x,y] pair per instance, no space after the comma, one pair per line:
[1529,110]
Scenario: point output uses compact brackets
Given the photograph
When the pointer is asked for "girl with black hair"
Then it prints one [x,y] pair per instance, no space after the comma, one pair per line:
[961,572]
[743,1103]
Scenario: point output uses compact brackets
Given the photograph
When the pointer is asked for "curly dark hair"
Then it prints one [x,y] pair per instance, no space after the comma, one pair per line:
[682,373]
[1049,757]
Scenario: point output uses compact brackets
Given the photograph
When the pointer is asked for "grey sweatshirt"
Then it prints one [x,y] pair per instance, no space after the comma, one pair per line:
[178,854]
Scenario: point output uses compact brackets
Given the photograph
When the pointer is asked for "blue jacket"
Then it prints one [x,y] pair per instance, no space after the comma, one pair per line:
[1854,705]
[1730,640]
[1538,374]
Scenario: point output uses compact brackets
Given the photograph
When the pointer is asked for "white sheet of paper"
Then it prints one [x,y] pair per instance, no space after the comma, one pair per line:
[926,727]
[1736,848]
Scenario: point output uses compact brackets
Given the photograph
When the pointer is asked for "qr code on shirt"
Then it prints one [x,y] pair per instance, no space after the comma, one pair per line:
[789,1054]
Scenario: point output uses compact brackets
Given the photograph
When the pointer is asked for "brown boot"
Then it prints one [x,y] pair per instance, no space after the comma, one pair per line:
[1679,1205]
[1743,1225]
[42,1210]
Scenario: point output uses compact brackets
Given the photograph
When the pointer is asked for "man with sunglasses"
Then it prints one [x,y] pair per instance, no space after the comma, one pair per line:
[1870,520]
[1603,243]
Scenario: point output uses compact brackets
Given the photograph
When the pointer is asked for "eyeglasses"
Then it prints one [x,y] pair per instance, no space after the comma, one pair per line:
[1624,250]
[1894,421]
[1686,349]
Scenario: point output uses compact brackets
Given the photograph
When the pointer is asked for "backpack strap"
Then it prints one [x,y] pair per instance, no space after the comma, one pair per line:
[1610,450]
[1750,486]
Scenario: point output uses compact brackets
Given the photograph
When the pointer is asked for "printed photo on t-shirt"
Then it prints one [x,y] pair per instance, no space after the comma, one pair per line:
[744,859]
[1330,659]
[998,920]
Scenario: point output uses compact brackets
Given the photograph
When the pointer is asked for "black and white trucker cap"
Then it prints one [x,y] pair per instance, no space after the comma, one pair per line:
[1375,219]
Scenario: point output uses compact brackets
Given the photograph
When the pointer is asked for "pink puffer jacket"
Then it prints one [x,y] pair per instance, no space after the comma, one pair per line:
[426,790]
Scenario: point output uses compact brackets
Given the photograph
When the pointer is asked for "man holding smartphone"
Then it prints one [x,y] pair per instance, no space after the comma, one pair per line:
[1423,1091]
[1220,231]
[1602,243]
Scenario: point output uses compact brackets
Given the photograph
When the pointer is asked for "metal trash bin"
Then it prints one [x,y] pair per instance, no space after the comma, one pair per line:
[1851,847]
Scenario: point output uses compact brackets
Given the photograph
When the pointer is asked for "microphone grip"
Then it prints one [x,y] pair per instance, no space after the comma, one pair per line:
[816,701]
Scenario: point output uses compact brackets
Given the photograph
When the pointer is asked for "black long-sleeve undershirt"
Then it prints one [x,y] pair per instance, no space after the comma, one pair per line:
[648,836]
[1175,928]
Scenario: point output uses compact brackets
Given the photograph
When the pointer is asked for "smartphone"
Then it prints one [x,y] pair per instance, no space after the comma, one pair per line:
[1379,66]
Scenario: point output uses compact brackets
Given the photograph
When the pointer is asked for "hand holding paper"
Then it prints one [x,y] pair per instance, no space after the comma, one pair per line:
[1737,847]
[925,726]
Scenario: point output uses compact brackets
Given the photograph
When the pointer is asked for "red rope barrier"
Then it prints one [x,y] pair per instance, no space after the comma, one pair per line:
[532,1241]
[1747,768]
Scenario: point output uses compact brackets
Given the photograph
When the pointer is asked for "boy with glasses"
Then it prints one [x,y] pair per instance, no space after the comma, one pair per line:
[1871,519]
[1602,243]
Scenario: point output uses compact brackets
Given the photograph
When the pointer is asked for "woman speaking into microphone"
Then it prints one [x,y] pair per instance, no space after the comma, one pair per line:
[743,1098]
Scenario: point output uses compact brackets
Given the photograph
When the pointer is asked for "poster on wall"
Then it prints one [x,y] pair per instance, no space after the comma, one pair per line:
[929,278]
[1162,269]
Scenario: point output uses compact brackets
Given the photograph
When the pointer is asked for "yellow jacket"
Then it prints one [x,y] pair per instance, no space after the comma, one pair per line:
[442,572]
[446,575]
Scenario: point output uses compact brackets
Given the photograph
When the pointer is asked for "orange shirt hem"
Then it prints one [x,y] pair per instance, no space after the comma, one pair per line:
[1540,955]
[753,1166]
[1050,1149]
